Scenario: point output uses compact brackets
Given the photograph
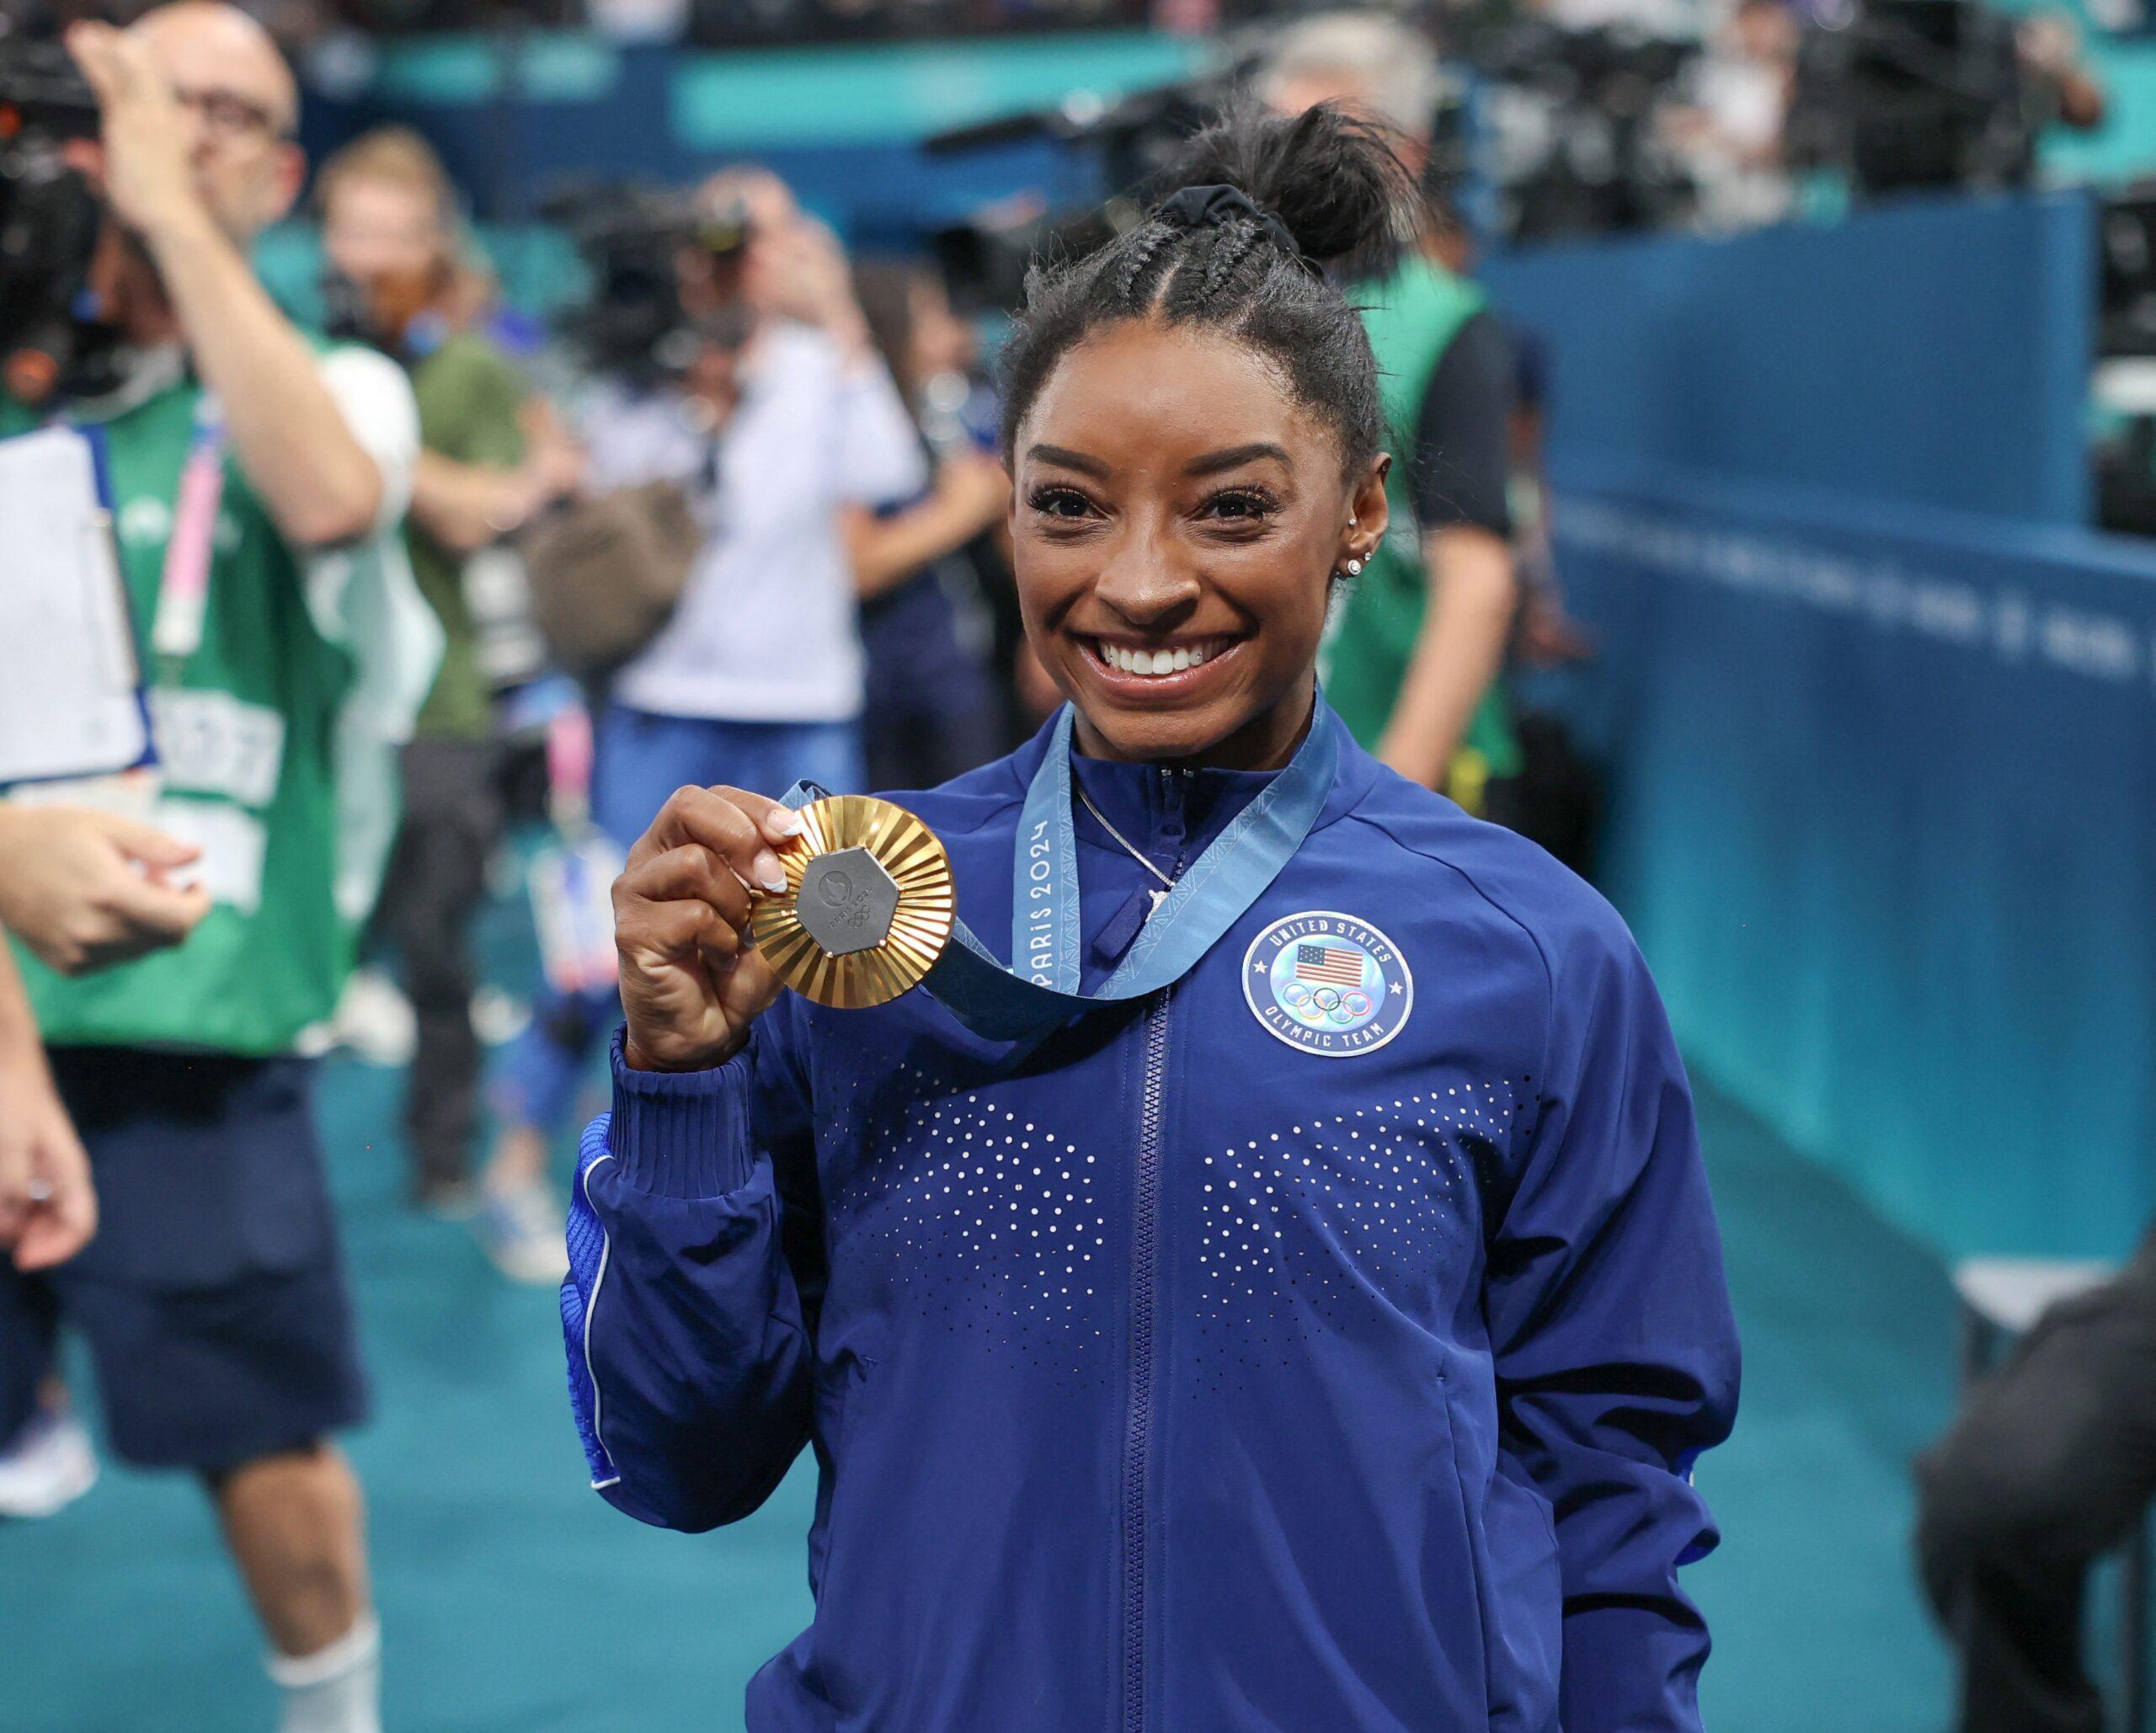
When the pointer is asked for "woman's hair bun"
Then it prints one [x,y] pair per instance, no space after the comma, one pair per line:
[1332,177]
[1262,220]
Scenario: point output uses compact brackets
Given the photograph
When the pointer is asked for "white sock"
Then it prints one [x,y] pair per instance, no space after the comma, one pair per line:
[334,1690]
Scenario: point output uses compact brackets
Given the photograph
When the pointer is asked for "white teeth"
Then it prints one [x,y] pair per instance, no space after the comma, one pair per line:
[1151,663]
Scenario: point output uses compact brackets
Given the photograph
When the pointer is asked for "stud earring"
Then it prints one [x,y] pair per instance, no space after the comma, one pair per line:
[1354,568]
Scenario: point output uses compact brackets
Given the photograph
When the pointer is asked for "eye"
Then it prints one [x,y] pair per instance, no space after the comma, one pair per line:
[1239,505]
[1056,502]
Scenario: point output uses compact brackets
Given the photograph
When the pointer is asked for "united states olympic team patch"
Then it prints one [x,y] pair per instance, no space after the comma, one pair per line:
[1328,984]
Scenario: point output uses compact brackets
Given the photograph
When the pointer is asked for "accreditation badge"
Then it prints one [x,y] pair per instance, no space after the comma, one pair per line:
[571,885]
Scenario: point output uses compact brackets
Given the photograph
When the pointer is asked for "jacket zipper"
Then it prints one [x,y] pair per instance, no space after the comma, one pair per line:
[1138,1427]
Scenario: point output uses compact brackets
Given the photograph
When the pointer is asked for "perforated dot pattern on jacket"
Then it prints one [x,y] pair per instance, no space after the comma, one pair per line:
[1001,1230]
[991,1223]
[1369,1206]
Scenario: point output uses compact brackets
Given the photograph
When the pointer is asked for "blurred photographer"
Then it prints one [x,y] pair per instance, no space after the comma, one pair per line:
[389,235]
[258,480]
[775,416]
[781,417]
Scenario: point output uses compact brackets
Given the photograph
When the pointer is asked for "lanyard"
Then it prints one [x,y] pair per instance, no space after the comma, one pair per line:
[184,590]
[1040,990]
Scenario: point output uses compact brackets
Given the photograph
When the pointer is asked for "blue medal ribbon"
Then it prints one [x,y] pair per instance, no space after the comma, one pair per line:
[1038,990]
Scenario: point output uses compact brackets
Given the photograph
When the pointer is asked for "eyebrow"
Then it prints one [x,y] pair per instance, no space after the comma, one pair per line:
[1234,458]
[1065,459]
[1211,464]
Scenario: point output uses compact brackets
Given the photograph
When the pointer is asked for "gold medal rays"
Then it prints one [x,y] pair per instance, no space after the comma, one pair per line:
[868,905]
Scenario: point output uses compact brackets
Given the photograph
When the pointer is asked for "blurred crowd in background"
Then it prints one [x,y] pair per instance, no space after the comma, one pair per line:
[1602,114]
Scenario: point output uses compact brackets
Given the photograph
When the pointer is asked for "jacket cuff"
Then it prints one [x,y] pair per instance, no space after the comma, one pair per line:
[682,1134]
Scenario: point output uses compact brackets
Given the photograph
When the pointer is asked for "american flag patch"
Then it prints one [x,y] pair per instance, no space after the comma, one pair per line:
[1329,965]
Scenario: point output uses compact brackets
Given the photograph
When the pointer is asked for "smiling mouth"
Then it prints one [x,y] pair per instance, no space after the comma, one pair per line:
[1129,660]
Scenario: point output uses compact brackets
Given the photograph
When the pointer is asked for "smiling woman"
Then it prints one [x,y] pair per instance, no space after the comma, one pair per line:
[1174,588]
[1175,585]
[1312,1319]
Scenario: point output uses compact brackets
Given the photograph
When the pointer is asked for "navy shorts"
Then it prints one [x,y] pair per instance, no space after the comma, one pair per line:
[213,1299]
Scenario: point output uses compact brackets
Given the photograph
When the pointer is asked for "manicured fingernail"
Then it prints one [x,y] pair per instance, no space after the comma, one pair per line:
[786,822]
[769,873]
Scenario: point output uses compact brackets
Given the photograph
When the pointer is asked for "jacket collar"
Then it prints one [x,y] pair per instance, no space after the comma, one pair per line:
[1357,771]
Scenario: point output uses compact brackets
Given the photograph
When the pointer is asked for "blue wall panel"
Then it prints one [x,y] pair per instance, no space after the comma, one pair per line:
[1935,351]
[1884,819]
[1880,717]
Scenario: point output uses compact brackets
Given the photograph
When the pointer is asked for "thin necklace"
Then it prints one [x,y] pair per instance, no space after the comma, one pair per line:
[1158,897]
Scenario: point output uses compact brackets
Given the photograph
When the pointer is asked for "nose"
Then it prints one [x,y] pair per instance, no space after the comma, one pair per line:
[1146,581]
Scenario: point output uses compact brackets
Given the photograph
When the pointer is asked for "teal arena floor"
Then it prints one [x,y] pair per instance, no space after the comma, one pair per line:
[513,1599]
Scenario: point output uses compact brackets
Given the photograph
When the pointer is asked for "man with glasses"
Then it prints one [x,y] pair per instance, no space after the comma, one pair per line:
[258,479]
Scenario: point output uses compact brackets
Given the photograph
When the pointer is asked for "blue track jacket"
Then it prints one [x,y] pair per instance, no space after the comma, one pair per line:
[1242,1359]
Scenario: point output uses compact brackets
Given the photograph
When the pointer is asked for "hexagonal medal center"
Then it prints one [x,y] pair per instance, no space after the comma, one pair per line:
[847,901]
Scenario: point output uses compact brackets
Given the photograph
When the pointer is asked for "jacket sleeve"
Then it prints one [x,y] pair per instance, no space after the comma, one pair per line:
[1616,1351]
[681,1315]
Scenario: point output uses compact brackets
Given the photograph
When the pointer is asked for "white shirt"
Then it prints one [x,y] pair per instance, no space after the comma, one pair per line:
[766,630]
[364,596]
[1749,102]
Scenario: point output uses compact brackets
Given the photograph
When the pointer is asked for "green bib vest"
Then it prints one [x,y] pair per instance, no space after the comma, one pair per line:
[244,729]
[1412,318]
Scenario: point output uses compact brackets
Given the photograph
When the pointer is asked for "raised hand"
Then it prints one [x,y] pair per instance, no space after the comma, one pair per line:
[691,985]
[147,162]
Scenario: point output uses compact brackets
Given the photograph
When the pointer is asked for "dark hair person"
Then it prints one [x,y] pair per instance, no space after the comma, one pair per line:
[930,709]
[1313,1321]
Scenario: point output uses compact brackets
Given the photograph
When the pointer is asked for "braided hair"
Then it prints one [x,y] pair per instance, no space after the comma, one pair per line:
[1267,209]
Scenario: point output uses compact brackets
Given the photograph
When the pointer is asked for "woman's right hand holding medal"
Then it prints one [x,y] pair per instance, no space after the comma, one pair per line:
[691,984]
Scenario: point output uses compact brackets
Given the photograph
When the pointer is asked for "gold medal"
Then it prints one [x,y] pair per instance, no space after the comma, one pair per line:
[868,905]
